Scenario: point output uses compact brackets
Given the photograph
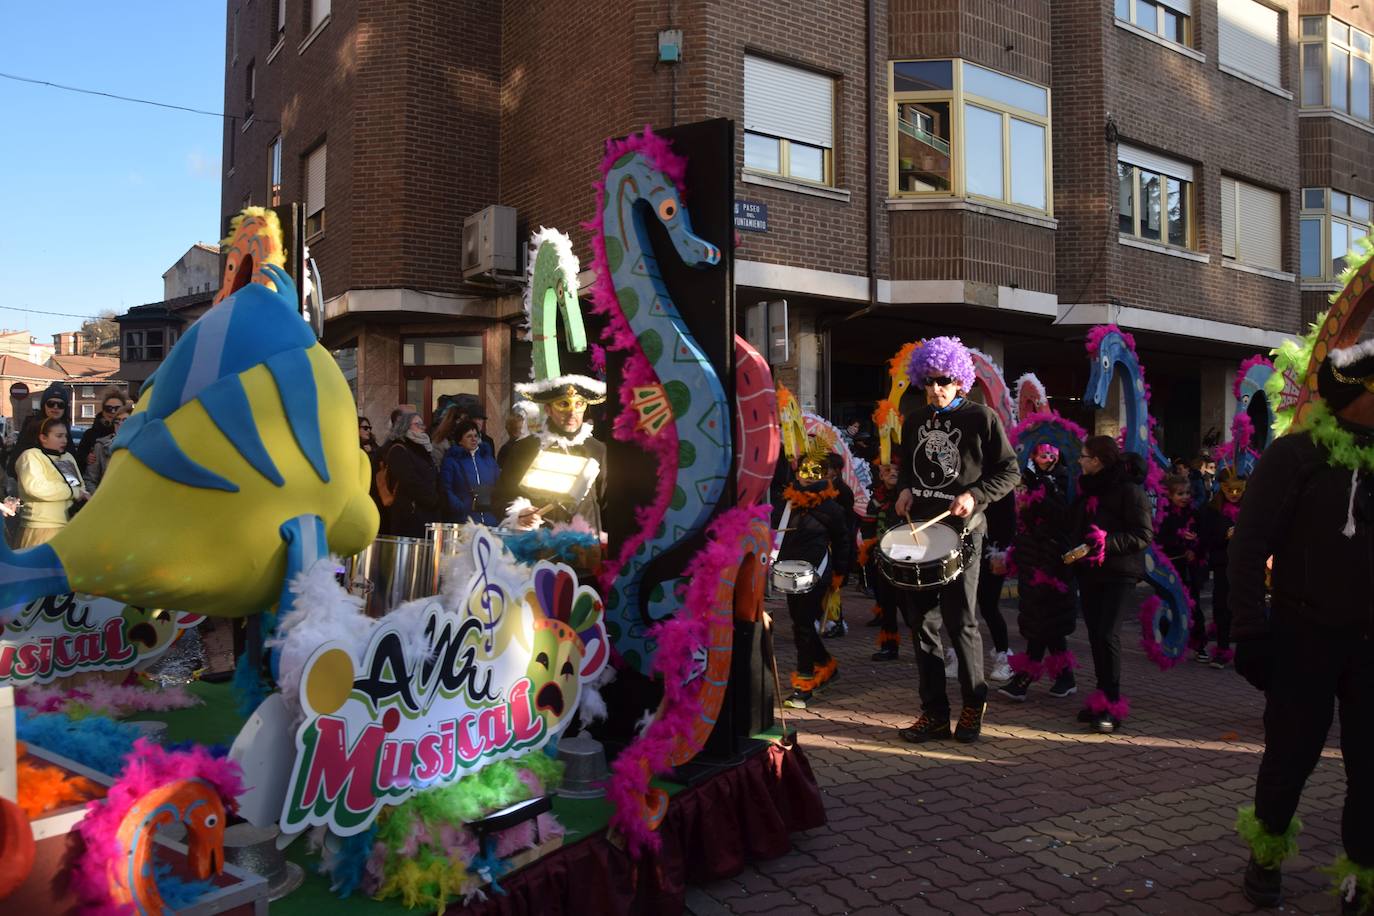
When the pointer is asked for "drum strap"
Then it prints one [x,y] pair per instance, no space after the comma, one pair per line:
[782,533]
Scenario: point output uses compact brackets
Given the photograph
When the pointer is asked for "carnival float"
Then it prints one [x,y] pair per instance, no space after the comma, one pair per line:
[492,719]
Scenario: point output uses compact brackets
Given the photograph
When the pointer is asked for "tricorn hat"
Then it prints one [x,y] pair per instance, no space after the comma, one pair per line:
[1346,373]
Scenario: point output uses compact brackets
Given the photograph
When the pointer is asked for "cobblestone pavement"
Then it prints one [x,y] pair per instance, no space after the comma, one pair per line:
[1040,815]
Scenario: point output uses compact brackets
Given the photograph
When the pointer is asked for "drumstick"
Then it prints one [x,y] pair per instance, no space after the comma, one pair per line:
[926,524]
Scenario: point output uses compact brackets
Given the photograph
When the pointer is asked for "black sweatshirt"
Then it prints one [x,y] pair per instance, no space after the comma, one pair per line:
[1295,509]
[945,453]
[814,533]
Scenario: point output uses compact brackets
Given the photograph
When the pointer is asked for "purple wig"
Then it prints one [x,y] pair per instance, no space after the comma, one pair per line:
[941,356]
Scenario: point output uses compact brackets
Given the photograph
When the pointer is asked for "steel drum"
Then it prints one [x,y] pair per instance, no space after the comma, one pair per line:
[390,572]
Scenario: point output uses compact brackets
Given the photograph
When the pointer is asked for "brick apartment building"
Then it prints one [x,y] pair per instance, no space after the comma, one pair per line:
[1010,171]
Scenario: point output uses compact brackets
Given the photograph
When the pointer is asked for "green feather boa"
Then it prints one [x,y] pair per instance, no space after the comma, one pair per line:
[1270,849]
[1364,879]
[1338,441]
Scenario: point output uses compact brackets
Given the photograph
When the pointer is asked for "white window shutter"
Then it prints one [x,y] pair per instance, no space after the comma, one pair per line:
[1154,162]
[1181,6]
[1228,217]
[789,102]
[1248,39]
[319,9]
[281,15]
[314,181]
[1259,226]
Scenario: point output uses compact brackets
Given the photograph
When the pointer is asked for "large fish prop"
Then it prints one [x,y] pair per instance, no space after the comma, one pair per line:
[239,467]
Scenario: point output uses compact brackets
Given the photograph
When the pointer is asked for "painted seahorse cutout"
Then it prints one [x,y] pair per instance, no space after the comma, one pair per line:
[888,415]
[988,377]
[670,393]
[1251,378]
[552,289]
[193,802]
[1030,396]
[1111,353]
[756,425]
[255,240]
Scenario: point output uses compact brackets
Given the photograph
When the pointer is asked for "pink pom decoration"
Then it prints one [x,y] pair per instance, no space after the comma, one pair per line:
[1040,578]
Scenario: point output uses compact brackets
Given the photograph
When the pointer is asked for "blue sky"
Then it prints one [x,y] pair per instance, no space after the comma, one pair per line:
[101,196]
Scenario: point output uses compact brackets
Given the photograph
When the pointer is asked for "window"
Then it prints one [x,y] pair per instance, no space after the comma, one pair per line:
[1154,197]
[789,121]
[1251,224]
[274,173]
[1248,39]
[1336,61]
[87,411]
[1332,223]
[278,20]
[143,345]
[234,37]
[314,191]
[319,12]
[1171,20]
[250,92]
[962,130]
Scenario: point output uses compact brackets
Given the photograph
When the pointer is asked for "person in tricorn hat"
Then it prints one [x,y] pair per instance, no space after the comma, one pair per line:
[564,401]
[1309,508]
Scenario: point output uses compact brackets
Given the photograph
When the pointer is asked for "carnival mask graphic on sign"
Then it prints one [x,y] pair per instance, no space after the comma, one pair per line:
[432,698]
[62,635]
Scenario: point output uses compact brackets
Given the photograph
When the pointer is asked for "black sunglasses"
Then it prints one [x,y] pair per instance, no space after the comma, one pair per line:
[54,403]
[368,428]
[112,408]
[941,380]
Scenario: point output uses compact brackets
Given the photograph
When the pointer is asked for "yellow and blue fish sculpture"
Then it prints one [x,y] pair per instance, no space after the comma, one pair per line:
[239,467]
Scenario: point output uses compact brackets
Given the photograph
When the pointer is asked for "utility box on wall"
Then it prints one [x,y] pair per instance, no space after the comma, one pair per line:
[489,242]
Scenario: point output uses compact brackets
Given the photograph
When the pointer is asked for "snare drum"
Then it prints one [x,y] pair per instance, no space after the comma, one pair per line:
[794,577]
[930,559]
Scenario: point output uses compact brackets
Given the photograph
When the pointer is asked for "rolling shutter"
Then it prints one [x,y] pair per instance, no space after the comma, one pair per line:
[1154,162]
[1248,39]
[1251,224]
[314,181]
[1179,6]
[789,102]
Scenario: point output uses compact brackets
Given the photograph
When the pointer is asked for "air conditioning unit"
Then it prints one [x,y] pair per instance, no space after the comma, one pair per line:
[489,242]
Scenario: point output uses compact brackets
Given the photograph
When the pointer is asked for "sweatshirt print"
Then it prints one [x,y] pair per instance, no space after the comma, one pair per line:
[944,453]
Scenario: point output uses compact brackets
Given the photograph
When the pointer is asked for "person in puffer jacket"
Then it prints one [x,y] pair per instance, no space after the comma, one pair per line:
[1308,515]
[1112,519]
[467,476]
[1046,613]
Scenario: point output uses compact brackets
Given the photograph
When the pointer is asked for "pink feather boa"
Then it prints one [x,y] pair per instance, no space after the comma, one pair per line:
[679,640]
[1245,367]
[1040,578]
[105,699]
[1096,539]
[1097,702]
[1056,663]
[148,767]
[1021,663]
[1100,331]
[1047,416]
[620,337]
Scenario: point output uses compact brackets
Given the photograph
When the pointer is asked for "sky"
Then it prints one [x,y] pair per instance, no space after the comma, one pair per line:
[101,196]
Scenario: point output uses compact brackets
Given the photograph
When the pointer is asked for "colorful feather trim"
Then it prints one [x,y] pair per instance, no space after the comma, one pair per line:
[1269,849]
[1056,663]
[1098,702]
[1021,663]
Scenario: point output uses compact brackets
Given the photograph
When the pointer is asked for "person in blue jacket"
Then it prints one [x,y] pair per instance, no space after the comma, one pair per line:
[467,475]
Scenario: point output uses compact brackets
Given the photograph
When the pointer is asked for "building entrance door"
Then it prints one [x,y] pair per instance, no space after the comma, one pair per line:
[433,367]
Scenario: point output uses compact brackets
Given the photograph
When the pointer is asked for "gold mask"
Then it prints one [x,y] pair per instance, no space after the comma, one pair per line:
[570,402]
[809,470]
[1233,489]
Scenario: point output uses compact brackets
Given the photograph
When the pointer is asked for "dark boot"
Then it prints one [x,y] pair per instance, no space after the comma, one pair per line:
[1263,886]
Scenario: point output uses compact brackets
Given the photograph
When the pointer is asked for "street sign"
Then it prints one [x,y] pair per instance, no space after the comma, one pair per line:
[19,391]
[751,215]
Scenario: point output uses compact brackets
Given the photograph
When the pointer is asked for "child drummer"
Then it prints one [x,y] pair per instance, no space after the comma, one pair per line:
[813,528]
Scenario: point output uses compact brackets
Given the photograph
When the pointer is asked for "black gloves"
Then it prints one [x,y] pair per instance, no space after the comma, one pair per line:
[1255,661]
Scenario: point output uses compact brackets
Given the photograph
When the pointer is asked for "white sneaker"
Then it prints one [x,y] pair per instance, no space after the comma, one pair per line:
[999,669]
[951,665]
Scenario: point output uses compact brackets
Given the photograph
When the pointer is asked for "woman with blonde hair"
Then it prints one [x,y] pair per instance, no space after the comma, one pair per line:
[50,485]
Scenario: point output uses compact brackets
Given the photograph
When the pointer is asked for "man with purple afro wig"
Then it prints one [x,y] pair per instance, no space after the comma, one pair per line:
[954,456]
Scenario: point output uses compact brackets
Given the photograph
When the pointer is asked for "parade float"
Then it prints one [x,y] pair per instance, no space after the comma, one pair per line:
[438,726]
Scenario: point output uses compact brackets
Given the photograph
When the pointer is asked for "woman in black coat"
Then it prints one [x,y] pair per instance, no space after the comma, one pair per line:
[411,477]
[1112,517]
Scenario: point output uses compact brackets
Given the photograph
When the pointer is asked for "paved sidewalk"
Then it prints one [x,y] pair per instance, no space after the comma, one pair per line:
[1040,815]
